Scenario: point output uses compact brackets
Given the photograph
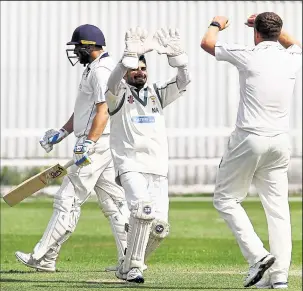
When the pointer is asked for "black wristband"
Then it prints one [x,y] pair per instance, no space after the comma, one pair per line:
[215,23]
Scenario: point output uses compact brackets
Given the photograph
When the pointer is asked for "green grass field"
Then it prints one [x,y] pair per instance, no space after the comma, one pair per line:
[199,254]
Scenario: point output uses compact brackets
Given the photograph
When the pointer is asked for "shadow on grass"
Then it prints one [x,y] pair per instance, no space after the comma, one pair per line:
[35,272]
[110,284]
[17,272]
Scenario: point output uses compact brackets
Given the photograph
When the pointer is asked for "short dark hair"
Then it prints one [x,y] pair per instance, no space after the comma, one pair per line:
[143,59]
[269,25]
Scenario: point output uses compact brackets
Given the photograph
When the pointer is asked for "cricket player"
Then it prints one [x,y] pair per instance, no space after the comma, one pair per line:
[259,147]
[138,140]
[93,168]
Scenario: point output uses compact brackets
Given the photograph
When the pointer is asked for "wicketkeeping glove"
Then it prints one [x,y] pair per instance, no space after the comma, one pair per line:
[52,137]
[136,44]
[168,42]
[82,153]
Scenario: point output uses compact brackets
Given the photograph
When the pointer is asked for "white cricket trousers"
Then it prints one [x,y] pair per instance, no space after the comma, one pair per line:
[99,175]
[265,159]
[147,187]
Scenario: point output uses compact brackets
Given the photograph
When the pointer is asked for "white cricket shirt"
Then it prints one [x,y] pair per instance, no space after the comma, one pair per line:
[91,91]
[138,137]
[267,74]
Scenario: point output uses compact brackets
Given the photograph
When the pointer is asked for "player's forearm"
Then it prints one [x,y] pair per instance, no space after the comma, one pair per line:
[183,78]
[210,39]
[287,40]
[69,125]
[115,78]
[99,122]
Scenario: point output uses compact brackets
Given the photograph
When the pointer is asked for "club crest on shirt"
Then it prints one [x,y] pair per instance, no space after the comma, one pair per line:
[130,99]
[153,99]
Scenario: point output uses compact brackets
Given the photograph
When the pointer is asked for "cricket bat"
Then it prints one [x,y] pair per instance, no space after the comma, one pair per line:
[35,183]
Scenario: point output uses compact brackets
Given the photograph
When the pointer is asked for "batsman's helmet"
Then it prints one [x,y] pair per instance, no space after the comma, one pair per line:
[87,34]
[85,38]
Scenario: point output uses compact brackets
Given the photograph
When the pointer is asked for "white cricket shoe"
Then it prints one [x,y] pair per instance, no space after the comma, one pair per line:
[255,272]
[264,283]
[134,275]
[40,265]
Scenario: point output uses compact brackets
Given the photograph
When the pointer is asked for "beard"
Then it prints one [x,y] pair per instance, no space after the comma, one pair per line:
[137,82]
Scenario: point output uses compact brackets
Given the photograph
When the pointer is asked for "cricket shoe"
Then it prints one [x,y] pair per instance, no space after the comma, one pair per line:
[267,285]
[264,283]
[40,265]
[134,275]
[256,271]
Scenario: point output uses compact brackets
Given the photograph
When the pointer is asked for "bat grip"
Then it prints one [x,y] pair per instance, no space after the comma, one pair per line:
[71,162]
[68,164]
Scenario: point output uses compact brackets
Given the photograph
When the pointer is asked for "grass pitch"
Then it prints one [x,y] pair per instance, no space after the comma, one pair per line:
[199,254]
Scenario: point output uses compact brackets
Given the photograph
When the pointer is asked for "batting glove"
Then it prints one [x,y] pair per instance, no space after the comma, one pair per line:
[136,44]
[168,42]
[82,153]
[52,137]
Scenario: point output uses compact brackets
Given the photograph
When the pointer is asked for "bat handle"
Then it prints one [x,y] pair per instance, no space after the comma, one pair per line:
[71,162]
[68,164]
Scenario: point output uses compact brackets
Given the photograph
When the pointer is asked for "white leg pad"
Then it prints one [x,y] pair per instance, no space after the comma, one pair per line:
[117,213]
[159,230]
[141,217]
[62,223]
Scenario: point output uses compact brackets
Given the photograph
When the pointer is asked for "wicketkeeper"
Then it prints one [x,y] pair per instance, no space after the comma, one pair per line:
[139,142]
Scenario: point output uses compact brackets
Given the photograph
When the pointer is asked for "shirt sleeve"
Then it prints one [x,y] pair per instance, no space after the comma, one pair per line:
[174,88]
[236,54]
[116,87]
[99,83]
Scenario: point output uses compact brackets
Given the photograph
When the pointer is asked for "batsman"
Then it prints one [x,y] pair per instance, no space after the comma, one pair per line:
[93,168]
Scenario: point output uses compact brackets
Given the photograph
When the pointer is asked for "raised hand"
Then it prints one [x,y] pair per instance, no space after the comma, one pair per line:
[222,20]
[251,20]
[136,43]
[168,42]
